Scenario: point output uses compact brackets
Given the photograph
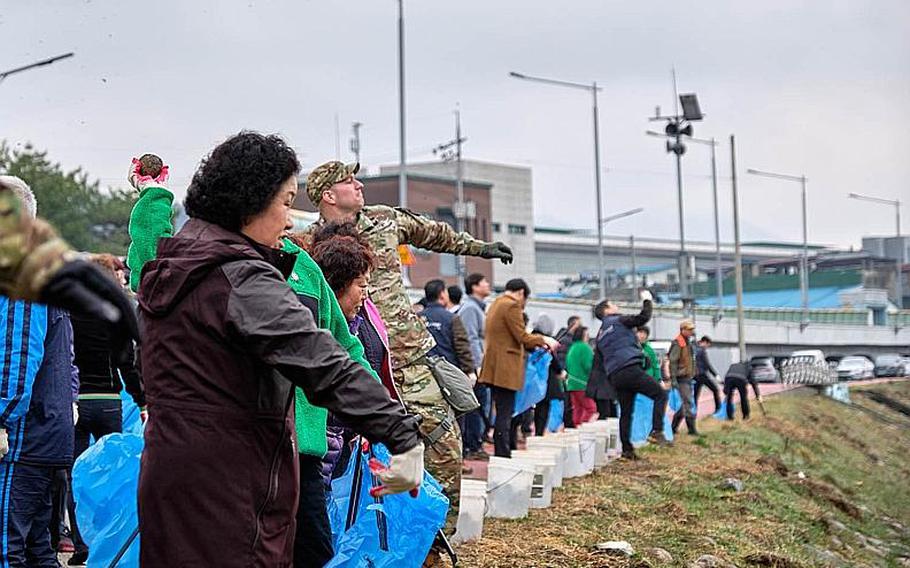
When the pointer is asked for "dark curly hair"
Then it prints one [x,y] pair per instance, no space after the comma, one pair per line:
[239,179]
[341,253]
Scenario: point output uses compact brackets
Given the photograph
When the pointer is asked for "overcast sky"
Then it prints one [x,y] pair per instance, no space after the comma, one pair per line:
[816,87]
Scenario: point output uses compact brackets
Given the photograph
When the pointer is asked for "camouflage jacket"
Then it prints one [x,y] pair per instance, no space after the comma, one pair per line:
[385,228]
[30,250]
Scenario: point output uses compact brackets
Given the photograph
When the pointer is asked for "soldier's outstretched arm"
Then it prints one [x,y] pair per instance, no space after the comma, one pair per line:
[415,229]
[37,265]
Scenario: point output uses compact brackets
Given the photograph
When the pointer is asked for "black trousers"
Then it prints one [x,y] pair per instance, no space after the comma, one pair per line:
[606,408]
[313,540]
[628,382]
[736,384]
[504,402]
[707,381]
[97,418]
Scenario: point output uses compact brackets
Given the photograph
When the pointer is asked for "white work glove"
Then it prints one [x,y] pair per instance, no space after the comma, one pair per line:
[140,182]
[404,473]
[646,294]
[4,443]
[75,414]
[143,414]
[473,378]
[552,344]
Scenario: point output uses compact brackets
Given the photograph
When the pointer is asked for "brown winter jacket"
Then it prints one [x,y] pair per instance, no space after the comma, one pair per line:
[504,345]
[219,478]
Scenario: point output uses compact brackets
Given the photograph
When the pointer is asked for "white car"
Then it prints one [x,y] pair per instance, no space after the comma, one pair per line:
[855,368]
[812,356]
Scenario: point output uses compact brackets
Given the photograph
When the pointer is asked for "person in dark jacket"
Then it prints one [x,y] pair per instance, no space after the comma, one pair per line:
[705,374]
[446,328]
[100,374]
[225,340]
[37,402]
[564,337]
[622,356]
[599,388]
[735,380]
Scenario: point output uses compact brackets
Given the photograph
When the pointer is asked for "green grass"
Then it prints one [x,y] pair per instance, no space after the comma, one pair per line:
[852,461]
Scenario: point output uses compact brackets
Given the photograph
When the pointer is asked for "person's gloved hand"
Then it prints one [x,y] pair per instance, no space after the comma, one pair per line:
[75,413]
[497,250]
[404,473]
[646,294]
[473,378]
[80,287]
[4,443]
[552,344]
[140,181]
[143,414]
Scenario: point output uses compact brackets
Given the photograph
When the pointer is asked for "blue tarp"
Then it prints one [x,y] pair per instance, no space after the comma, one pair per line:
[820,297]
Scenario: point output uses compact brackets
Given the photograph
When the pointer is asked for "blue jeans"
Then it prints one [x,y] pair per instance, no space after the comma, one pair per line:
[25,515]
[475,423]
[96,418]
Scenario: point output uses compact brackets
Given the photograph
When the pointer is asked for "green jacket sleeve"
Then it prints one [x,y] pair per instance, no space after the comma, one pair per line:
[651,362]
[420,231]
[150,220]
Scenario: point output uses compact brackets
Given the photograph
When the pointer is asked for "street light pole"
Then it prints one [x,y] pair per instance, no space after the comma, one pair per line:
[737,258]
[402,149]
[593,88]
[718,271]
[42,63]
[634,275]
[896,203]
[804,262]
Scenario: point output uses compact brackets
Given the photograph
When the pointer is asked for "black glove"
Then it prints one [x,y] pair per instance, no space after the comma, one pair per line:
[81,288]
[497,250]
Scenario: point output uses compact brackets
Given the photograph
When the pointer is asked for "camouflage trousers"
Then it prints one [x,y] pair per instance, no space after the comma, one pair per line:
[443,459]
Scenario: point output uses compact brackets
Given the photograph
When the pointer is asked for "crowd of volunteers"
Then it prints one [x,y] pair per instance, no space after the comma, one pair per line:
[259,356]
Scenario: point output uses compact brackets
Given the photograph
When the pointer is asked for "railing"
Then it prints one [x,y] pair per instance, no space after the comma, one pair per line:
[806,371]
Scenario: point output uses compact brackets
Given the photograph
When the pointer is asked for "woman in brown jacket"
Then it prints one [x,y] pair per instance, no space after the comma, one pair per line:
[504,357]
[224,342]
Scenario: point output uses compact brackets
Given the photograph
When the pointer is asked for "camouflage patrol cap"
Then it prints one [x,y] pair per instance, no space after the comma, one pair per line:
[325,176]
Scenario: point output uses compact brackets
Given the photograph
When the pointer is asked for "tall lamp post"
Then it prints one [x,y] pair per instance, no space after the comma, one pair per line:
[402,149]
[804,263]
[678,126]
[902,260]
[718,269]
[42,63]
[593,89]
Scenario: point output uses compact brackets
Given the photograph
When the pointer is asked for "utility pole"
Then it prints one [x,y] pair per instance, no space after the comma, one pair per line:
[449,152]
[355,140]
[737,258]
[718,271]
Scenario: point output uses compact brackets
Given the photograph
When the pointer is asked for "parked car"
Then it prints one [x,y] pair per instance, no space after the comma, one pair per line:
[889,365]
[762,369]
[813,356]
[854,368]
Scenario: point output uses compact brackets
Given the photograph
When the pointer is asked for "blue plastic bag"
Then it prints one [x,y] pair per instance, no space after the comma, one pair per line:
[105,485]
[132,423]
[721,414]
[557,410]
[392,531]
[641,421]
[537,369]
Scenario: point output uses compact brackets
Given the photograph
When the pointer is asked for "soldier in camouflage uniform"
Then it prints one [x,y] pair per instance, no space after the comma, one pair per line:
[333,188]
[37,265]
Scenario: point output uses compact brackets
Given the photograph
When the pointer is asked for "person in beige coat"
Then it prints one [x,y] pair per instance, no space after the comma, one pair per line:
[504,357]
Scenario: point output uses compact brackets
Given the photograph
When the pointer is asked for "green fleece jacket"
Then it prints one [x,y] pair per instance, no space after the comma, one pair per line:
[579,361]
[150,220]
[650,363]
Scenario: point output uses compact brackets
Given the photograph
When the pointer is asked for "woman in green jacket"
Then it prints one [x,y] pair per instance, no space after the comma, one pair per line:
[579,360]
